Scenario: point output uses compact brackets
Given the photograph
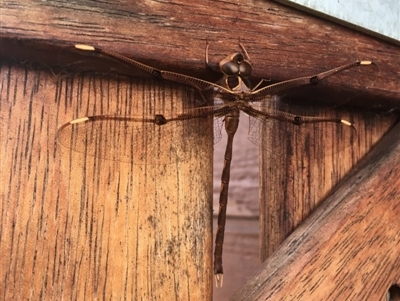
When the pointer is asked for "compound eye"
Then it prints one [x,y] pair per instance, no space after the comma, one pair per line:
[235,65]
[230,68]
[245,68]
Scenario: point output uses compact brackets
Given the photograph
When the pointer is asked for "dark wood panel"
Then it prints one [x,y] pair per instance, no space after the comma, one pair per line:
[282,42]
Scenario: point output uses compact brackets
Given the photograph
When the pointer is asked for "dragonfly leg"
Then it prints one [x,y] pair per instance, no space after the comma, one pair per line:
[261,81]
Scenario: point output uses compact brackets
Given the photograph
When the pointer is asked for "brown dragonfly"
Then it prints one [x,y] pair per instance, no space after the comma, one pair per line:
[232,94]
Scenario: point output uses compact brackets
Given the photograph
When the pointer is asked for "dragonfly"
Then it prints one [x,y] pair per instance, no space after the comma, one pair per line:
[230,95]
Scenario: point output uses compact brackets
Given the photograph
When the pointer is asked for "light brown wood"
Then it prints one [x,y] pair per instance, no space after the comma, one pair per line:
[78,227]
[282,42]
[349,248]
[296,182]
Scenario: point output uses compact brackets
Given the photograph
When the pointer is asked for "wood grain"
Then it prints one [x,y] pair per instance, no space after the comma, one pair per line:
[294,183]
[79,227]
[349,247]
[282,42]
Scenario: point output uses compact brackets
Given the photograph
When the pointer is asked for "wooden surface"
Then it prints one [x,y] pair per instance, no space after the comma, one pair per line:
[294,183]
[282,44]
[79,227]
[349,248]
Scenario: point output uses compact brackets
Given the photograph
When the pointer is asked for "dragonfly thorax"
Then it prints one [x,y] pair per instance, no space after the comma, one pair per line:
[238,85]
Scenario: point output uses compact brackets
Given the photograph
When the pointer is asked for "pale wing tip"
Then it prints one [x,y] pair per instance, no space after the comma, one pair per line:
[346,122]
[84,47]
[79,120]
[365,63]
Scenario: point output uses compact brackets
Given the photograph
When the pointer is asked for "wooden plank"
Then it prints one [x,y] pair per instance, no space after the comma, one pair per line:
[349,248]
[285,44]
[294,182]
[282,42]
[78,227]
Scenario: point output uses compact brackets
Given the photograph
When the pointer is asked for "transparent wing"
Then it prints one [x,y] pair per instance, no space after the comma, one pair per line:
[140,139]
[311,80]
[218,122]
[315,139]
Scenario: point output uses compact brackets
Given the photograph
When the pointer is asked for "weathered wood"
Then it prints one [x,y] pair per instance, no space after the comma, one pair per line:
[349,248]
[78,227]
[293,184]
[282,42]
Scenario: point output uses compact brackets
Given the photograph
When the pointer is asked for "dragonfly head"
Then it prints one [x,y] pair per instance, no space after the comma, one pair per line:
[235,65]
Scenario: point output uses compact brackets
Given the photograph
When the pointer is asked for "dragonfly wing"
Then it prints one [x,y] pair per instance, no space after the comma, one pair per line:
[137,140]
[207,89]
[281,87]
[218,123]
[321,138]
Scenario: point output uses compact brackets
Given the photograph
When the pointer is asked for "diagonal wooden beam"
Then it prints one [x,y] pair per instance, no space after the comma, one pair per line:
[348,249]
